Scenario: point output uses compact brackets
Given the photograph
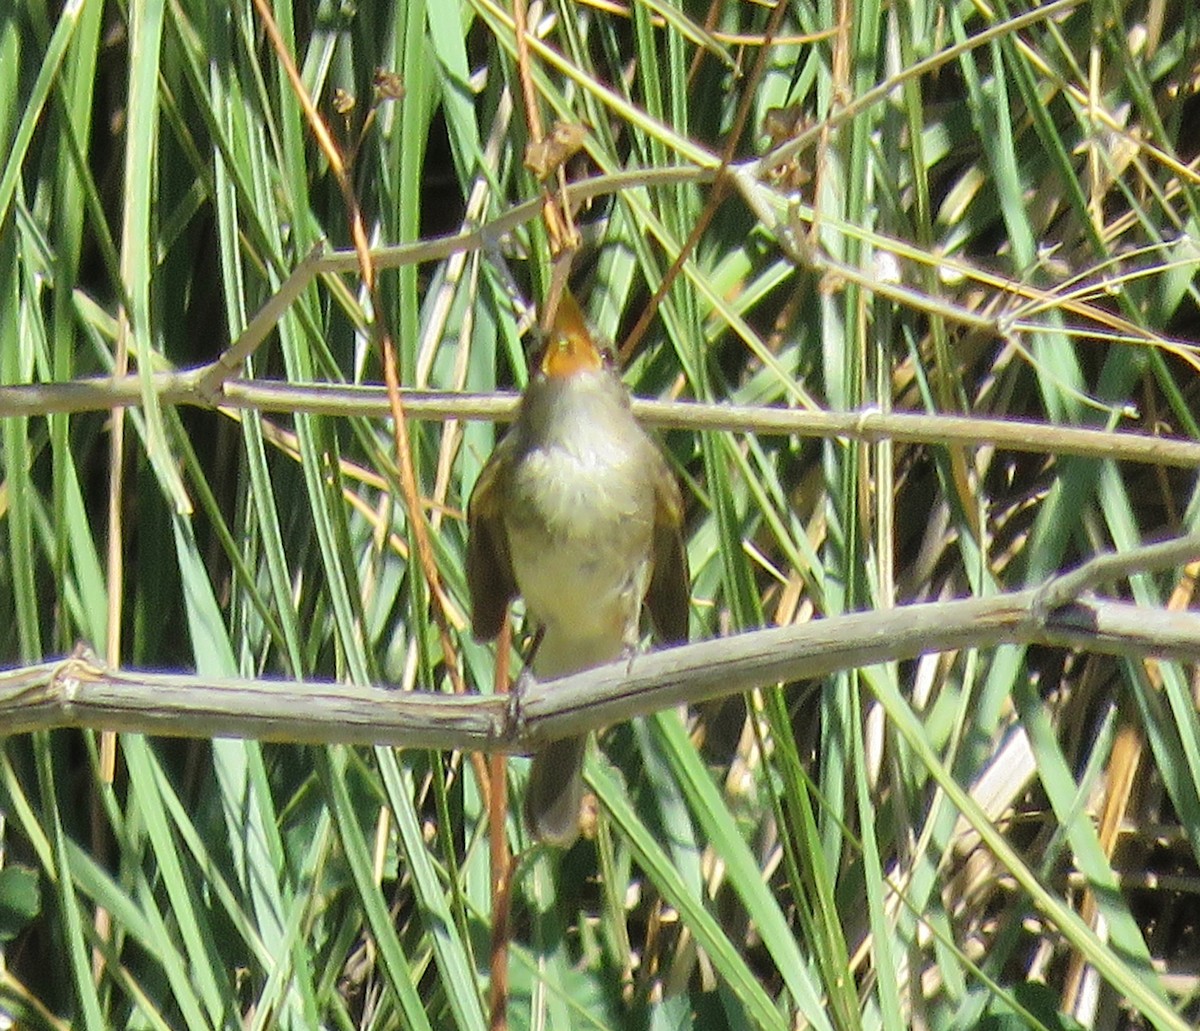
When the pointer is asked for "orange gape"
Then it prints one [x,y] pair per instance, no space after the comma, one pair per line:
[570,349]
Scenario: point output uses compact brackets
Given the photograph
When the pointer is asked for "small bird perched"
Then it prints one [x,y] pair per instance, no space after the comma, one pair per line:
[577,511]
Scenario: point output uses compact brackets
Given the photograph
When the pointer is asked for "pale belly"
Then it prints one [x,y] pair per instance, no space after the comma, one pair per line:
[580,539]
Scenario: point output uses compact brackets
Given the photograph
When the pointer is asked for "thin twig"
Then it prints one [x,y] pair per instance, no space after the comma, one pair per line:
[773,208]
[100,393]
[1112,566]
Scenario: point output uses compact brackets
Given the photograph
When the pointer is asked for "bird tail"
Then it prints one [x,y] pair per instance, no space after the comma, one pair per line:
[555,792]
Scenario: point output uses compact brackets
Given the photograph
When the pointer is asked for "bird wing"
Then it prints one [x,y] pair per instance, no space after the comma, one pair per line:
[490,578]
[668,597]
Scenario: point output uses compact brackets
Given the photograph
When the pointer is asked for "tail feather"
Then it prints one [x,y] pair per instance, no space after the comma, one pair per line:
[555,792]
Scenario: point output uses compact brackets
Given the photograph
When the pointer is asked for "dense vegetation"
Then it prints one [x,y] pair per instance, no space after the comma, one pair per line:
[979,210]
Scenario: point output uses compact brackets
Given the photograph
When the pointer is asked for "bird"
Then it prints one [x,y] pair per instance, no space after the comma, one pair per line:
[578,512]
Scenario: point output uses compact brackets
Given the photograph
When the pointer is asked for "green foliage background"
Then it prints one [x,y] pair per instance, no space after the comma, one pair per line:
[158,181]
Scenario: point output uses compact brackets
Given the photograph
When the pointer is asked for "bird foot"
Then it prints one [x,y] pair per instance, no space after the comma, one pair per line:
[515,716]
[629,653]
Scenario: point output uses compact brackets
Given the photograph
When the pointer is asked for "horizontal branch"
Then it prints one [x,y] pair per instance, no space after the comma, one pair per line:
[79,692]
[184,388]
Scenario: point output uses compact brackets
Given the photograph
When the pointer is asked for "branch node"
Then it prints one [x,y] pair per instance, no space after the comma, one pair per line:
[65,682]
[514,715]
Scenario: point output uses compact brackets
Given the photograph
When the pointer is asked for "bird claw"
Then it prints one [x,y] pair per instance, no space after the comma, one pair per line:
[629,653]
[515,716]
